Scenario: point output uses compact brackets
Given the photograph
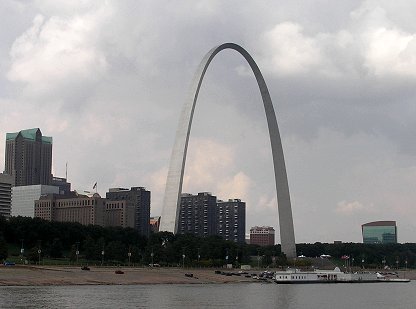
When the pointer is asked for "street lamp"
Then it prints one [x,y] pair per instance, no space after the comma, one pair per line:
[199,255]
[77,252]
[397,262]
[258,258]
[102,257]
[39,249]
[405,269]
[22,251]
[129,255]
[151,255]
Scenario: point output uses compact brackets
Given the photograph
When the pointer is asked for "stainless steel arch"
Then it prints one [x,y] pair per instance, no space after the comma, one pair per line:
[171,203]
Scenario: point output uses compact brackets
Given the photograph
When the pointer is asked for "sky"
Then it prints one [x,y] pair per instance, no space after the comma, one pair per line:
[107,80]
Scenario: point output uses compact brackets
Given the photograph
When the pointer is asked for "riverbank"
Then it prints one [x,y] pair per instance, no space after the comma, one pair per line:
[50,275]
[46,275]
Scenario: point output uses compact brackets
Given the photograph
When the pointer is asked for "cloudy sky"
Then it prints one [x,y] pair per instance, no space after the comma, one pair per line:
[107,80]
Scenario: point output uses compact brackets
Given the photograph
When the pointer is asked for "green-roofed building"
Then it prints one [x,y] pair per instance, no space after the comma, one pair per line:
[29,157]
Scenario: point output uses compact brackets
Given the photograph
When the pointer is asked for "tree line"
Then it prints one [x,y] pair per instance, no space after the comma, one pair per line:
[60,240]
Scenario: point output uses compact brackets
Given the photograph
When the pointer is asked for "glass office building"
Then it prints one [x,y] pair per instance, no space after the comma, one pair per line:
[379,232]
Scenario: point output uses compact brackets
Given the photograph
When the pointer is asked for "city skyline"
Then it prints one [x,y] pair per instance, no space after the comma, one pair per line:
[107,82]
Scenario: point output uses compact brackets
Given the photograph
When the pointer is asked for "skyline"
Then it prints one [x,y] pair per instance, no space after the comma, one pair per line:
[107,81]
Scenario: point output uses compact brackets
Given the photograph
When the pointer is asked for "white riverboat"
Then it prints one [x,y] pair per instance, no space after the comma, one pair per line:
[293,276]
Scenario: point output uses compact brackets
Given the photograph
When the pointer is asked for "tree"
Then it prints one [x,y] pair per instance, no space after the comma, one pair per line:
[116,251]
[73,253]
[56,248]
[34,255]
[3,248]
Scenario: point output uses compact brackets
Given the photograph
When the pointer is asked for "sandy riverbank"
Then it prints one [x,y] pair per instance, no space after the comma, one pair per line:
[25,275]
[48,275]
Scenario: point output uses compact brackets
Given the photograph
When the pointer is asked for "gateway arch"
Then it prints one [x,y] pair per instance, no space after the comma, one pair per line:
[171,203]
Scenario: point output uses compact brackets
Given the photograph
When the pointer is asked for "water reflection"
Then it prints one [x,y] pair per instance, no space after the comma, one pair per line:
[252,295]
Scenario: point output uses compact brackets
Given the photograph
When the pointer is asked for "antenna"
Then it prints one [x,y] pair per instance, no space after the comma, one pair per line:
[66,171]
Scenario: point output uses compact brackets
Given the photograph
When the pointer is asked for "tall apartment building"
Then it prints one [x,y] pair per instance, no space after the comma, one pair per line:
[71,207]
[29,157]
[198,214]
[139,199]
[262,235]
[24,197]
[231,220]
[6,182]
[203,215]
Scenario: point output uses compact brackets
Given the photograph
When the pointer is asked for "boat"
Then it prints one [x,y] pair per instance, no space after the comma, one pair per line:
[382,277]
[296,276]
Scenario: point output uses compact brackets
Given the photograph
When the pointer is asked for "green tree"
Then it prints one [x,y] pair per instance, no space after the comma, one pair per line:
[3,248]
[116,251]
[73,253]
[34,255]
[56,248]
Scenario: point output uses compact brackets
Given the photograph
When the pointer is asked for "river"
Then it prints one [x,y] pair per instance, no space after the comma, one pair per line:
[241,295]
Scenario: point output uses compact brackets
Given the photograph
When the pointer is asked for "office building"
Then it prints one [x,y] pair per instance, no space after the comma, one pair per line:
[198,214]
[72,207]
[6,182]
[139,199]
[24,197]
[119,213]
[62,184]
[262,235]
[231,220]
[379,232]
[29,157]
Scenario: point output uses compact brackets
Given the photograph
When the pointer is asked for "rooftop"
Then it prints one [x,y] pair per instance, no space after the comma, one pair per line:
[380,223]
[29,134]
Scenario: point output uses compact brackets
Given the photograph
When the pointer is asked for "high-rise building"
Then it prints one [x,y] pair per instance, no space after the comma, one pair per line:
[231,220]
[24,197]
[379,232]
[29,157]
[119,213]
[262,235]
[6,182]
[203,215]
[197,214]
[139,199]
[71,207]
